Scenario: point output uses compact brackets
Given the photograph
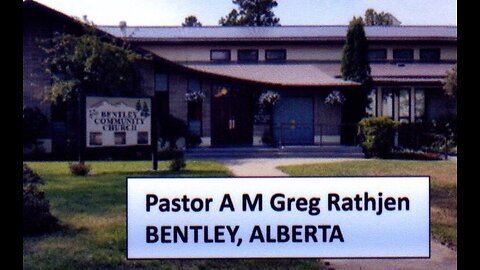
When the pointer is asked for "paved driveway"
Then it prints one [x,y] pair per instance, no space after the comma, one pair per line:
[442,258]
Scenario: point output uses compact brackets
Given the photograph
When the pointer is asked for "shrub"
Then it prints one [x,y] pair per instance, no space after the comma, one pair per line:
[193,140]
[170,154]
[177,164]
[377,136]
[267,137]
[30,177]
[79,169]
[37,218]
[415,155]
[171,129]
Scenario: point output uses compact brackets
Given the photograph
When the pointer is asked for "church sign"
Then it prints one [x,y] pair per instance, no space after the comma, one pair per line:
[118,121]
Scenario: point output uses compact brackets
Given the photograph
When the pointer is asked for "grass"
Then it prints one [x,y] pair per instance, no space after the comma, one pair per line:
[443,185]
[92,211]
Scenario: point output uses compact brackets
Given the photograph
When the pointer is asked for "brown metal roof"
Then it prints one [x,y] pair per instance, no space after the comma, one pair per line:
[275,74]
[323,74]
[401,71]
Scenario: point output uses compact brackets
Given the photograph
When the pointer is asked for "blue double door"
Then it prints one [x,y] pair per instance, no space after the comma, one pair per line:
[293,121]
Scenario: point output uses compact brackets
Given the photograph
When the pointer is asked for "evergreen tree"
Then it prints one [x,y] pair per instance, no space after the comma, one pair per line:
[355,64]
[191,21]
[231,19]
[356,67]
[251,13]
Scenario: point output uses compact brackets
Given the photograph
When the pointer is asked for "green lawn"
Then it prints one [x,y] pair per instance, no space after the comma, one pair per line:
[443,185]
[92,209]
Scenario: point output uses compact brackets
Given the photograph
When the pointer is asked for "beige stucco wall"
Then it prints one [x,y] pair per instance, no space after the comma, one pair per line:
[202,52]
[190,53]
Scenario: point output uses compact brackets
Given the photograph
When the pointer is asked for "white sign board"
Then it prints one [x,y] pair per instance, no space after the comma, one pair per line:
[294,217]
[118,121]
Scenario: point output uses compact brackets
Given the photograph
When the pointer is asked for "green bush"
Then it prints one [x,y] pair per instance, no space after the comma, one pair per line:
[170,154]
[37,218]
[193,140]
[79,169]
[377,136]
[30,177]
[177,164]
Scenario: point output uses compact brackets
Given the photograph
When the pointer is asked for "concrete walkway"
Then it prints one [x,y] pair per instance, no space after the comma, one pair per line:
[442,258]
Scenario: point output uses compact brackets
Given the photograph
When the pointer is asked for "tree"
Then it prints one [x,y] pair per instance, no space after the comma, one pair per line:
[85,65]
[89,64]
[355,64]
[450,82]
[382,18]
[251,13]
[231,19]
[356,67]
[191,21]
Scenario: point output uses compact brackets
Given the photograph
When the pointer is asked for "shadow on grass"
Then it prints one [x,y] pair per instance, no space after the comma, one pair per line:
[165,174]
[104,193]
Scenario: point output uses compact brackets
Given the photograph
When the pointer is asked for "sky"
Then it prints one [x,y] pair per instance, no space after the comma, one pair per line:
[290,12]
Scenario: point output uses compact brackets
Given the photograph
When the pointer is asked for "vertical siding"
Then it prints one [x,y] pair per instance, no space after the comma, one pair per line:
[178,87]
[35,78]
[206,108]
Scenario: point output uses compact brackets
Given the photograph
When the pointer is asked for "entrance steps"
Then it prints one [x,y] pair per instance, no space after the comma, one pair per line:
[314,151]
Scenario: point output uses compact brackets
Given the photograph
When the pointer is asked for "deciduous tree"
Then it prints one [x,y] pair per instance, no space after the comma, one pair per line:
[450,82]
[383,18]
[89,64]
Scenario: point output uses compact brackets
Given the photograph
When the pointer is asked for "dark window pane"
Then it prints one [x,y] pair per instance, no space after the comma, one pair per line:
[275,55]
[96,138]
[120,138]
[372,107]
[195,127]
[404,55]
[419,104]
[248,55]
[142,137]
[194,85]
[377,55]
[387,102]
[220,55]
[404,103]
[161,82]
[430,55]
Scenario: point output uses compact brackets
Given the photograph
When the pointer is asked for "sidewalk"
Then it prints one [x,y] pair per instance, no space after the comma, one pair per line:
[442,258]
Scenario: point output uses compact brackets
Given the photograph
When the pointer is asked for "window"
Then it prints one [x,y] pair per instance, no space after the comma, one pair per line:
[404,106]
[142,137]
[387,102]
[276,55]
[419,105]
[220,55]
[430,55]
[96,138]
[376,55]
[161,82]
[403,55]
[195,118]
[194,85]
[120,138]
[372,106]
[247,55]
